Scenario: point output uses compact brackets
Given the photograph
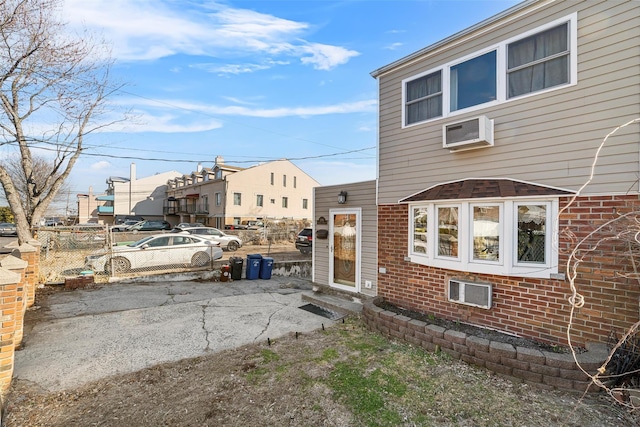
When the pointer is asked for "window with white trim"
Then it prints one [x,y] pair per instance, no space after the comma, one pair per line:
[507,237]
[539,60]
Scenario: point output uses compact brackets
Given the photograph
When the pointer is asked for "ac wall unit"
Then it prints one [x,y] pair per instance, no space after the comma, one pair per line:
[468,134]
[470,293]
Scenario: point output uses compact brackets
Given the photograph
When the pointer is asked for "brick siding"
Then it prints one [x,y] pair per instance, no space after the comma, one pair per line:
[528,307]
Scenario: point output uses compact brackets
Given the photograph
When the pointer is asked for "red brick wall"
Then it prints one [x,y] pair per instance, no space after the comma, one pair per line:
[533,308]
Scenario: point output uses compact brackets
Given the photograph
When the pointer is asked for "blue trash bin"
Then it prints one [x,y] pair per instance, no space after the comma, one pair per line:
[253,266]
[266,266]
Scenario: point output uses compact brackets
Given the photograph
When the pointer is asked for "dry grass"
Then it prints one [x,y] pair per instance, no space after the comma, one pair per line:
[342,376]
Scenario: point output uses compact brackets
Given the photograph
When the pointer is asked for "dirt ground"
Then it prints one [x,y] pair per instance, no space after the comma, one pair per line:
[338,376]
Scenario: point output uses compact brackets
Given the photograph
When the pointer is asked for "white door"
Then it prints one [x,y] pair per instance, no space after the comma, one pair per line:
[344,248]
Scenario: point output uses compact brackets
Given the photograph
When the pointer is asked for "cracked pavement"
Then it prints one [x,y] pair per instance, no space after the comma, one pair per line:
[84,335]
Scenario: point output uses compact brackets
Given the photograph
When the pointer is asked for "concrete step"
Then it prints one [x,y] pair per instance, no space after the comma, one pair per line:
[342,305]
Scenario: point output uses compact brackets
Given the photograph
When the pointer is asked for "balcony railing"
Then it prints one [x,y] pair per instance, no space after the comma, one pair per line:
[105,210]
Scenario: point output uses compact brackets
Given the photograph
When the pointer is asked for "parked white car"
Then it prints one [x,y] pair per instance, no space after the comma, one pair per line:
[155,251]
[228,241]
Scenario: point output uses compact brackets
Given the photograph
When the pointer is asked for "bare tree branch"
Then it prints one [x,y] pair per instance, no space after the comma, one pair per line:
[46,76]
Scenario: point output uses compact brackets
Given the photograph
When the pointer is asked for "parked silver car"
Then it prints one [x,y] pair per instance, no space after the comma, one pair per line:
[155,251]
[228,241]
[8,229]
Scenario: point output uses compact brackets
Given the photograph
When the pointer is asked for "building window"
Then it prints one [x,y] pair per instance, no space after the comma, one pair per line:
[284,180]
[285,202]
[295,182]
[507,237]
[273,201]
[237,199]
[305,203]
[538,60]
[218,174]
[272,178]
[259,200]
[218,199]
[424,98]
[473,82]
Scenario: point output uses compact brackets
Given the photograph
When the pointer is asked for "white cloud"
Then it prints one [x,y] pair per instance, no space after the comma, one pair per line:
[163,123]
[237,68]
[365,106]
[103,164]
[393,46]
[326,57]
[151,30]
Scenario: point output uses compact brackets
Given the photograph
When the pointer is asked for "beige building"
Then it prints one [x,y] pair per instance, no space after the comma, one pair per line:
[133,196]
[226,195]
[88,206]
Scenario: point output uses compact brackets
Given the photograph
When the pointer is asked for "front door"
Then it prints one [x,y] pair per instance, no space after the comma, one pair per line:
[344,265]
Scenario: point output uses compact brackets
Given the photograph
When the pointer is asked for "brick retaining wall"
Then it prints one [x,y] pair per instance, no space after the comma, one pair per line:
[520,364]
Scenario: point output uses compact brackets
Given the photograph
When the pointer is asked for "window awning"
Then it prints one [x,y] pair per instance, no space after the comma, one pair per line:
[474,188]
[107,198]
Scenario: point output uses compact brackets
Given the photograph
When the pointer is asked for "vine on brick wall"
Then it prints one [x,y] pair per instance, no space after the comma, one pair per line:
[620,372]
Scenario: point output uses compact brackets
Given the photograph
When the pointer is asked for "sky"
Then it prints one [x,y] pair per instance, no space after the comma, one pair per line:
[253,81]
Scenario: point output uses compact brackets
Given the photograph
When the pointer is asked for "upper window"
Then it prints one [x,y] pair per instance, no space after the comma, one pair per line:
[539,60]
[305,203]
[237,199]
[259,200]
[272,178]
[218,199]
[284,180]
[473,82]
[424,98]
[502,237]
[285,202]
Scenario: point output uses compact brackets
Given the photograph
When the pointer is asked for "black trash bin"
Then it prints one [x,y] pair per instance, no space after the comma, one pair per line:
[236,267]
[266,266]
[253,266]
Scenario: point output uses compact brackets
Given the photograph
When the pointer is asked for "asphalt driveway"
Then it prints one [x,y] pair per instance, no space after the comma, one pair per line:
[84,335]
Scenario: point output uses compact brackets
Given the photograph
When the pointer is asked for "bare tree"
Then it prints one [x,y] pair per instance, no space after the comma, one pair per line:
[13,166]
[53,87]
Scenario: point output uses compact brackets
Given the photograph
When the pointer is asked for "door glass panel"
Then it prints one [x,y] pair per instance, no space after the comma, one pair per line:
[344,253]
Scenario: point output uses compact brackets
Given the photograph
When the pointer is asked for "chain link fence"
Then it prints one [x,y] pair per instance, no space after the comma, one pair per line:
[94,249]
[64,249]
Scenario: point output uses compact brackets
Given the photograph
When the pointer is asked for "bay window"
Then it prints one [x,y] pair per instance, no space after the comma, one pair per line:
[507,237]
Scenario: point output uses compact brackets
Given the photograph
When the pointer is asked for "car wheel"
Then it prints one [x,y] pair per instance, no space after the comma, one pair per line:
[232,246]
[200,259]
[305,251]
[120,265]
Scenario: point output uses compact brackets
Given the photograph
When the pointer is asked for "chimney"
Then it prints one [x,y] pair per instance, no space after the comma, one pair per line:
[199,167]
[132,172]
[219,160]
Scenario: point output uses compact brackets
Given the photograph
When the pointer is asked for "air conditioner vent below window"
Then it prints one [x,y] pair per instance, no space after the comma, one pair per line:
[470,293]
[470,133]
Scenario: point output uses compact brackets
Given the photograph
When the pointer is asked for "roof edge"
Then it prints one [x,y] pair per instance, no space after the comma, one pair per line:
[513,9]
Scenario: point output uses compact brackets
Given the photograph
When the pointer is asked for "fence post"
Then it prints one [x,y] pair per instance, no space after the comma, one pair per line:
[18,266]
[9,282]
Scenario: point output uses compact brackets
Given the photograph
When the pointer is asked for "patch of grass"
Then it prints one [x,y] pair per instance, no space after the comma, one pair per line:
[269,356]
[255,375]
[365,393]
[328,355]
